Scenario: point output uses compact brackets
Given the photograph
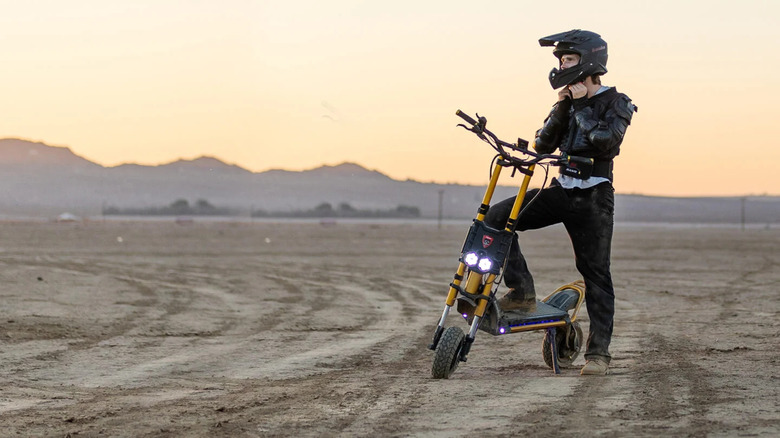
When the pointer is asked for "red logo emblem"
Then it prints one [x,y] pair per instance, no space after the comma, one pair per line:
[487,241]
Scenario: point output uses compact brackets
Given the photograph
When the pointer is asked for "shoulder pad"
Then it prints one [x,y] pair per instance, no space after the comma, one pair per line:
[624,107]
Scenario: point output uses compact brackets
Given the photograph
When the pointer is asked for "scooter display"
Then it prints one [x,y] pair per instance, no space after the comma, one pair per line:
[483,260]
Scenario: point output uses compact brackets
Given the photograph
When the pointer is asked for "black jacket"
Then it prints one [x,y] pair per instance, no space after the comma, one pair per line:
[587,127]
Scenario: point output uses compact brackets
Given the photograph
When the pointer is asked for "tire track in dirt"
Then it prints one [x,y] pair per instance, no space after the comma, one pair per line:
[73,334]
[164,302]
[659,393]
[382,350]
[363,397]
[661,382]
[227,342]
[373,310]
[397,394]
[217,384]
[329,399]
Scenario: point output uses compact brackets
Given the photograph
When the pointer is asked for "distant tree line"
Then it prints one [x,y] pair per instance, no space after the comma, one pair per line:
[180,207]
[344,210]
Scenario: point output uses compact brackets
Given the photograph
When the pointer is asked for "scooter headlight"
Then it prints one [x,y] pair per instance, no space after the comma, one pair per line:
[485,264]
[471,259]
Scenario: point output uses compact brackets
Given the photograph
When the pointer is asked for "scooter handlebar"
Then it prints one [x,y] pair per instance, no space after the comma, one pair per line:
[465,117]
[576,159]
[478,127]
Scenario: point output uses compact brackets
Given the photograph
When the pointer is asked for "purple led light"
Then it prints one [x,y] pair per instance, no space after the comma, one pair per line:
[502,330]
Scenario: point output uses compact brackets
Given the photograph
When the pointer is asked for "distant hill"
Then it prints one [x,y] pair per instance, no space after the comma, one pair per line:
[198,165]
[41,180]
[16,152]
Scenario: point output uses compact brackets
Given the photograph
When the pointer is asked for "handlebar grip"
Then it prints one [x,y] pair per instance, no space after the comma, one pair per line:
[465,117]
[580,160]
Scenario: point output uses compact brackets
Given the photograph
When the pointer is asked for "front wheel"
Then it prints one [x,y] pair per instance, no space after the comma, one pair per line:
[447,355]
[568,343]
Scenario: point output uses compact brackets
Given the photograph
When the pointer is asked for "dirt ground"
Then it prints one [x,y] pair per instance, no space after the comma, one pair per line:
[257,329]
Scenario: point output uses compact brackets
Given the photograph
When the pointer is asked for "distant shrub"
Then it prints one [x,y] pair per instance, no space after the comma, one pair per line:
[179,207]
[344,210]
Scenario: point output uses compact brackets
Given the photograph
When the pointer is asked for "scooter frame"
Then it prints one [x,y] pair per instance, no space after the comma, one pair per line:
[482,262]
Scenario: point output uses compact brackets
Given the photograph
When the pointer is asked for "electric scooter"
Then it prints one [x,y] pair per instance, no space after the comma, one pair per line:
[483,260]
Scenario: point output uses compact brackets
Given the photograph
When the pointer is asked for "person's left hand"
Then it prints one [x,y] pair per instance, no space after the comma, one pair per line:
[578,90]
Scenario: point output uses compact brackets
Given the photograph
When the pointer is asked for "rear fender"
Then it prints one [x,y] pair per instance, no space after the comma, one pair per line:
[568,297]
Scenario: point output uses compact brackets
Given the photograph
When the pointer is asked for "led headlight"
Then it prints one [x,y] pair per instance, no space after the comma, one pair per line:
[471,259]
[485,264]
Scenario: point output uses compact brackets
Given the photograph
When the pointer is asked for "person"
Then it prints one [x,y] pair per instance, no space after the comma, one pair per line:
[588,120]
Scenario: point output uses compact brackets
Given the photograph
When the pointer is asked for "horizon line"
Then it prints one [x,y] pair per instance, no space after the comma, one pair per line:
[348,163]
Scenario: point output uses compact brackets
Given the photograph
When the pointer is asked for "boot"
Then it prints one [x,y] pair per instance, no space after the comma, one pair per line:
[518,301]
[595,367]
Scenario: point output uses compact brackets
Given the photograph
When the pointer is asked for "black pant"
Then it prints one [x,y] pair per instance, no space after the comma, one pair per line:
[588,215]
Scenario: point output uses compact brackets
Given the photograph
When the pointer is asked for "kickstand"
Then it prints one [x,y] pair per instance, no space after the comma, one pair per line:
[553,349]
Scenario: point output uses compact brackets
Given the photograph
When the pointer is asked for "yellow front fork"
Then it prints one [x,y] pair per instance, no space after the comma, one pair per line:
[489,192]
[474,280]
[520,198]
[458,279]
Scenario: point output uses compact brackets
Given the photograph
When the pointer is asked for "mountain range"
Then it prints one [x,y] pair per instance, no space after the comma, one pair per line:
[42,180]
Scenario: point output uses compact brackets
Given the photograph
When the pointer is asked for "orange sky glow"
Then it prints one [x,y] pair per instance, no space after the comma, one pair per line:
[297,84]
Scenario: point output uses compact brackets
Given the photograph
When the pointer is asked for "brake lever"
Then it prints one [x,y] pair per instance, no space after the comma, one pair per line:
[476,129]
[480,126]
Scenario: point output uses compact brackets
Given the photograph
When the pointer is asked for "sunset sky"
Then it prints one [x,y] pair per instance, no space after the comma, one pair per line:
[297,84]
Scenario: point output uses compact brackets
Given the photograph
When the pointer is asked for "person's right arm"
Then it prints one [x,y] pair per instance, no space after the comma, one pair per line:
[548,137]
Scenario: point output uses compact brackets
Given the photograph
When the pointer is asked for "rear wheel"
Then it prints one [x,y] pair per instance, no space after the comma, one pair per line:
[568,342]
[446,358]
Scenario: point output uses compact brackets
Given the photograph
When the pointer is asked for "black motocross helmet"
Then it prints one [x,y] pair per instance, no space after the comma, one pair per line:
[588,45]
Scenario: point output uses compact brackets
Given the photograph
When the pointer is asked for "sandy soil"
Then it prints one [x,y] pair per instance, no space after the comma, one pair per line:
[158,329]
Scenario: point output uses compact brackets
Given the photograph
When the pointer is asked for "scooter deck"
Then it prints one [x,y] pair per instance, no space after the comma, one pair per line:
[497,322]
[544,313]
[552,312]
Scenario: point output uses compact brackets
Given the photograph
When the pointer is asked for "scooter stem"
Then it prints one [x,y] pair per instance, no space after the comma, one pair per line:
[510,223]
[489,192]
